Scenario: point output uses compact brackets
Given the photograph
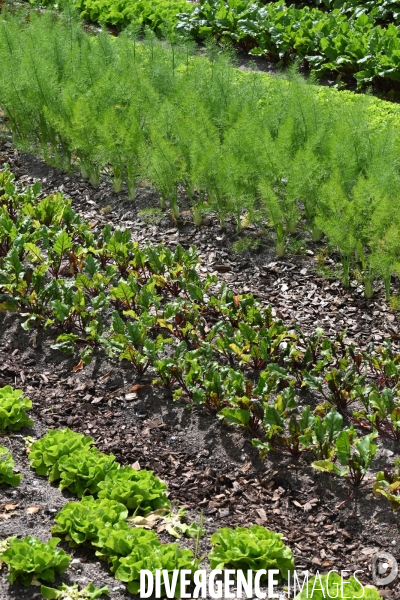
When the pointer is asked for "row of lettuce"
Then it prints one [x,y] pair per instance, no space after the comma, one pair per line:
[354,38]
[284,155]
[150,307]
[101,520]
[108,518]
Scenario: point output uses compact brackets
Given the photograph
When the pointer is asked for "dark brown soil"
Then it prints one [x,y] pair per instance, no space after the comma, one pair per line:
[208,466]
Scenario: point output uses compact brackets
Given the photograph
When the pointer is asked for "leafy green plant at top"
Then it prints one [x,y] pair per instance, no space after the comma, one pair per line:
[83,470]
[13,407]
[139,491]
[45,453]
[387,484]
[252,548]
[144,13]
[72,592]
[334,586]
[30,558]
[81,522]
[7,475]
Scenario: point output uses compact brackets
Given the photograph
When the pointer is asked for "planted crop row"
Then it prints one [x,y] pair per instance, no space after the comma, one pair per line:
[331,35]
[104,523]
[326,41]
[268,151]
[207,345]
[101,519]
[381,10]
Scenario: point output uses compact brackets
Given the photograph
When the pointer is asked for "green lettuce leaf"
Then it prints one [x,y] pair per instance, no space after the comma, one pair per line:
[250,548]
[139,490]
[45,453]
[81,522]
[82,471]
[30,558]
[13,407]
[152,557]
[7,474]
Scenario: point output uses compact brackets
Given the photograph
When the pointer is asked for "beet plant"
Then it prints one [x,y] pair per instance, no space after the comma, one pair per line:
[352,458]
[387,484]
[382,412]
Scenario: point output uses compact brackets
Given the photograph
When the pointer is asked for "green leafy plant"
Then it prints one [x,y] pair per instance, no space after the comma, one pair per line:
[384,364]
[72,592]
[387,484]
[354,456]
[382,413]
[321,434]
[13,407]
[151,216]
[82,471]
[30,558]
[153,556]
[81,522]
[252,548]
[275,29]
[118,540]
[45,453]
[244,244]
[138,490]
[345,384]
[7,475]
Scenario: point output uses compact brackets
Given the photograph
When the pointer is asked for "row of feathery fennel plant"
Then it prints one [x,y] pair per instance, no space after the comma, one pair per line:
[199,129]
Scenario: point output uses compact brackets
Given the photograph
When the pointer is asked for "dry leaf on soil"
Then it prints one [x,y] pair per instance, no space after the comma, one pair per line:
[32,510]
[78,367]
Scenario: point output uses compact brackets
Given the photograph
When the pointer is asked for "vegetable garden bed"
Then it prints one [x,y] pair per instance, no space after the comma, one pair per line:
[203,461]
